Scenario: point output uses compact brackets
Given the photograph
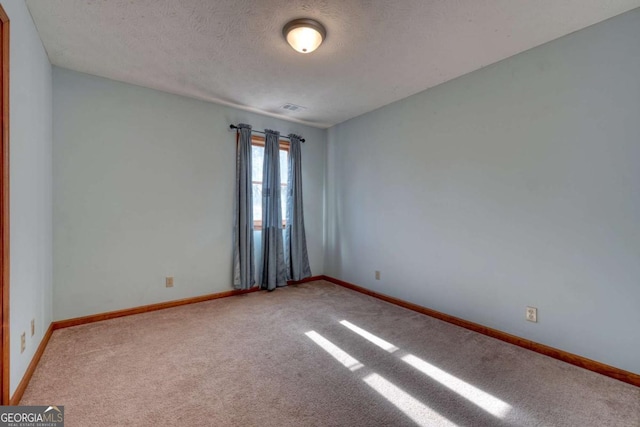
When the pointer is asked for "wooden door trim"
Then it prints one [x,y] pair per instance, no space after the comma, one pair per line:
[4,209]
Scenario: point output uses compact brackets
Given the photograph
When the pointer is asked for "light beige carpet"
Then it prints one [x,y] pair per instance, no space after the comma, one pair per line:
[312,354]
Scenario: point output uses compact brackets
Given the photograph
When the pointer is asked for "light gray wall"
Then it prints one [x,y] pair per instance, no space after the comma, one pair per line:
[31,144]
[144,184]
[514,185]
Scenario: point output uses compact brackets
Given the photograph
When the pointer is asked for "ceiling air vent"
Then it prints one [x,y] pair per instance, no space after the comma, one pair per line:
[293,107]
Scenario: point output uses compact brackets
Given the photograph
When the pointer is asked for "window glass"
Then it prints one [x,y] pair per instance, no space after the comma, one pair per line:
[284,175]
[257,159]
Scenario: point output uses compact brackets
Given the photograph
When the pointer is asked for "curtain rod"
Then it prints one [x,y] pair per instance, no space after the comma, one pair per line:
[232,126]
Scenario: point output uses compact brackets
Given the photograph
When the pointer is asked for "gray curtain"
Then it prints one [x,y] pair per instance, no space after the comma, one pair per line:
[295,241]
[243,256]
[274,269]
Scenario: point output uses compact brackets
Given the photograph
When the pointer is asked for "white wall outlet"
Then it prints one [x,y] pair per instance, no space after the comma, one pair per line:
[168,282]
[23,342]
[377,275]
[532,314]
[33,327]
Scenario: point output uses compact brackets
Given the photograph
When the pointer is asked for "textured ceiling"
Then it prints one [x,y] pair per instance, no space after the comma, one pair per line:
[233,51]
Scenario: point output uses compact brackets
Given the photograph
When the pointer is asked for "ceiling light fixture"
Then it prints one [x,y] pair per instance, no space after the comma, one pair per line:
[304,35]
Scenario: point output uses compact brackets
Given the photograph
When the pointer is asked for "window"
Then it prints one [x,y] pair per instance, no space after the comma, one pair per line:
[257,159]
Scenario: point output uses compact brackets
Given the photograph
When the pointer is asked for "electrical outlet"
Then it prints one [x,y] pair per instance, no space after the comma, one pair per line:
[377,275]
[532,314]
[168,281]
[23,342]
[33,327]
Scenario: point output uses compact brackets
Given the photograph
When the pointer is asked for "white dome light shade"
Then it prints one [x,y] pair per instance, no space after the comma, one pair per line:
[304,39]
[304,35]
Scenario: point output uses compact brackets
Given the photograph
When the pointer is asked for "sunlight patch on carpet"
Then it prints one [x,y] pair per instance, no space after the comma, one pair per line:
[485,401]
[335,351]
[482,399]
[420,413]
[413,408]
[387,346]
